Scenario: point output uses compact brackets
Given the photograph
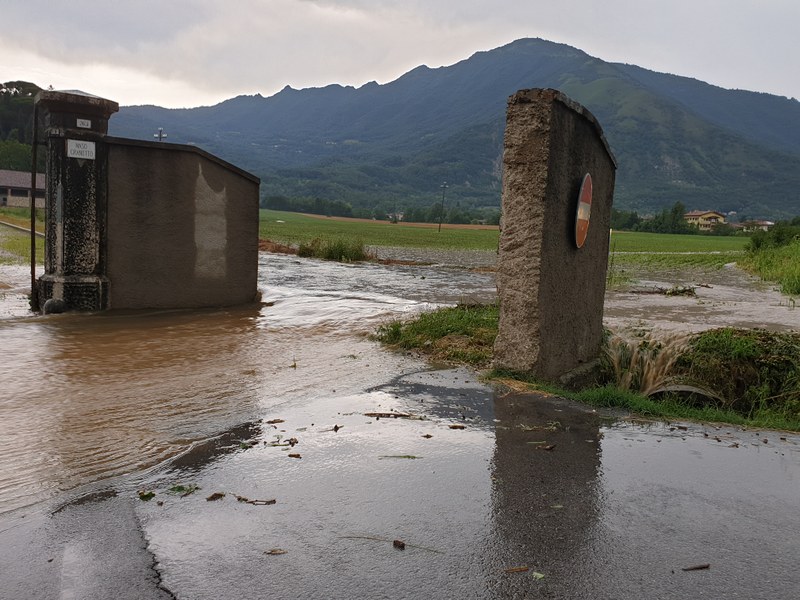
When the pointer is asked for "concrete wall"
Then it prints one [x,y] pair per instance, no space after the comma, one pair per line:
[182,228]
[551,292]
[16,199]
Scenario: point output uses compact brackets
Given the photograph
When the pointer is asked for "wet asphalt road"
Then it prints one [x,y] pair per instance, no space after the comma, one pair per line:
[533,498]
[494,494]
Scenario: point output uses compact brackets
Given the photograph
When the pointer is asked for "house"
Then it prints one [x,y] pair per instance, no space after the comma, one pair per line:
[757,225]
[15,189]
[704,220]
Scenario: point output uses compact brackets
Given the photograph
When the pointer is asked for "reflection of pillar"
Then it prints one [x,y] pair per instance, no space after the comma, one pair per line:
[545,499]
[551,266]
[76,199]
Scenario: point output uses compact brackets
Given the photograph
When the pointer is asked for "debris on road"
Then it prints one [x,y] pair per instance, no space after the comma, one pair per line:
[255,502]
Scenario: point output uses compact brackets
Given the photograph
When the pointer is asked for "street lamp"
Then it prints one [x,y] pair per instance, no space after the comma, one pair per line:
[160,135]
[441,209]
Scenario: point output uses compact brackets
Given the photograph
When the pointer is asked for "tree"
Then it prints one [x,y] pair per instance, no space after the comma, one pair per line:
[15,156]
[624,220]
[670,220]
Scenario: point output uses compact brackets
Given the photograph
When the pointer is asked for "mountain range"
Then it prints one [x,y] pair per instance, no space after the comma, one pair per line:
[393,145]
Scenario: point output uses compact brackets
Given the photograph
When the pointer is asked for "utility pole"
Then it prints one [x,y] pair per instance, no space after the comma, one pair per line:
[160,135]
[441,210]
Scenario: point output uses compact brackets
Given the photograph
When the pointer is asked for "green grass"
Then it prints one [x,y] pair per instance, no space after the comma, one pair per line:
[294,229]
[754,375]
[781,264]
[462,334]
[340,250]
[22,217]
[15,247]
[635,241]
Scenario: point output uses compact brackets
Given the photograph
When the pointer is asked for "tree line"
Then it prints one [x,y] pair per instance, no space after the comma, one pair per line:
[669,220]
[384,210]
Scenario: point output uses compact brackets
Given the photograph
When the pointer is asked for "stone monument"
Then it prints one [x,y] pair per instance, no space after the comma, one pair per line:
[76,200]
[558,187]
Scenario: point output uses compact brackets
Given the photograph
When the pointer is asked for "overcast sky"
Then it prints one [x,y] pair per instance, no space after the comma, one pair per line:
[183,53]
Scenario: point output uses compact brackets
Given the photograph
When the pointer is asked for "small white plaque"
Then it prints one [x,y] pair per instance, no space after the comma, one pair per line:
[84,123]
[80,149]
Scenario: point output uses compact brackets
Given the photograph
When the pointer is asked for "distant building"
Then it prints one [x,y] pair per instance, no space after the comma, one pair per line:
[757,225]
[15,189]
[704,220]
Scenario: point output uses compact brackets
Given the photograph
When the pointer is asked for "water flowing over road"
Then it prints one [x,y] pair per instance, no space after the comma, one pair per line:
[86,397]
[290,456]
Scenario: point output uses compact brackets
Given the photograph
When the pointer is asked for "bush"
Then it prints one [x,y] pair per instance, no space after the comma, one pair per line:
[750,369]
[339,250]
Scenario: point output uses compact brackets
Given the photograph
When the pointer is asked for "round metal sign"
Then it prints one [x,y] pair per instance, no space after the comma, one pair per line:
[584,211]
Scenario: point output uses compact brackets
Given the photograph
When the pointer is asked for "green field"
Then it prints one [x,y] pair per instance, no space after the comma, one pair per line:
[293,229]
[635,241]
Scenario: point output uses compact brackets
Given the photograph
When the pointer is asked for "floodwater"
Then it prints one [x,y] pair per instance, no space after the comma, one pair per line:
[726,297]
[85,398]
[494,495]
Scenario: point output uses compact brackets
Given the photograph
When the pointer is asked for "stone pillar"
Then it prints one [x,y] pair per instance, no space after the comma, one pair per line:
[551,269]
[76,200]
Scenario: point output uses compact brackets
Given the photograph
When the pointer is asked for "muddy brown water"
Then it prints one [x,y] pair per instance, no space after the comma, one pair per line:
[91,397]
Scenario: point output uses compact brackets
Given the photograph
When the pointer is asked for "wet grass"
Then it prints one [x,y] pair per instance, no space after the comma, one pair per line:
[636,241]
[294,229]
[461,334]
[779,264]
[737,376]
[341,250]
[22,217]
[15,247]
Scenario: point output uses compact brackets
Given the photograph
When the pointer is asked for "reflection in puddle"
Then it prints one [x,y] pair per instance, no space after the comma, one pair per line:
[530,485]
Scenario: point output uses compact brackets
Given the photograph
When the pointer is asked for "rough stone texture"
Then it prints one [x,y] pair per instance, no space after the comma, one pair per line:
[75,198]
[182,228]
[551,292]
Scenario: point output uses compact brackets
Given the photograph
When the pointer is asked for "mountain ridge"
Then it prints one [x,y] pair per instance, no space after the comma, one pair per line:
[388,146]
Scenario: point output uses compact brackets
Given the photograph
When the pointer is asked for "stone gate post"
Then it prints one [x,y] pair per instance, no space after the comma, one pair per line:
[76,200]
[558,186]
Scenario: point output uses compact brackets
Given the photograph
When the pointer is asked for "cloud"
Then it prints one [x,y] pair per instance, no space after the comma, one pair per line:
[204,49]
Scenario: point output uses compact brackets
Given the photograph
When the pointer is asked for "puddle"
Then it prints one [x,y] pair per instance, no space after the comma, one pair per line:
[610,510]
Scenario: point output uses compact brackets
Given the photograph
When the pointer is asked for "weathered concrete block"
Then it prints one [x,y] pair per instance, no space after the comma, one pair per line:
[550,290]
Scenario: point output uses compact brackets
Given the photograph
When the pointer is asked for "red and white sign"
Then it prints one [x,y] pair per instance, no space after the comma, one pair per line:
[584,211]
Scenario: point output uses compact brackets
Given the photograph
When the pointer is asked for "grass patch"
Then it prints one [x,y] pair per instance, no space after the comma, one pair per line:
[738,376]
[294,229]
[779,264]
[15,247]
[710,260]
[341,250]
[460,334]
[638,241]
[22,217]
